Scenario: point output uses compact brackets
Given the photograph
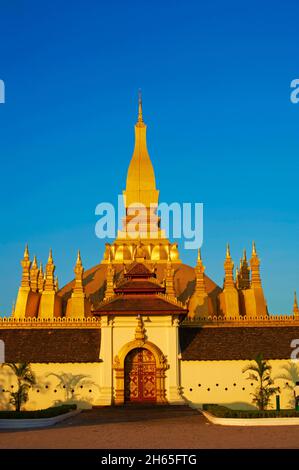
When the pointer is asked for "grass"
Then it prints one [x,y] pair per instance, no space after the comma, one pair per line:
[46,413]
[224,412]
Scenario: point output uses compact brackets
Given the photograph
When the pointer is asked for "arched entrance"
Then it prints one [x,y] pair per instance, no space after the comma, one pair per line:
[140,373]
[140,376]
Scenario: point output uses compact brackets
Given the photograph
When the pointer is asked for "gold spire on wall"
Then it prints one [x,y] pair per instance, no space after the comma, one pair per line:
[78,306]
[50,268]
[244,274]
[41,278]
[78,270]
[26,263]
[169,279]
[295,307]
[34,275]
[255,268]
[109,292]
[200,287]
[228,269]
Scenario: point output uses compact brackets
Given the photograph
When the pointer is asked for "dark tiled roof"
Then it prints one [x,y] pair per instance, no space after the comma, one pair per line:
[51,345]
[139,285]
[132,304]
[236,343]
[138,270]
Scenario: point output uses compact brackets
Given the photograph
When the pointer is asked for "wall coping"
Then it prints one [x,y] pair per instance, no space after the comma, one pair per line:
[250,421]
[37,422]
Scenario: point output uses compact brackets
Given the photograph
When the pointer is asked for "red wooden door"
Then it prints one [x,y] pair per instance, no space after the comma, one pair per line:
[140,376]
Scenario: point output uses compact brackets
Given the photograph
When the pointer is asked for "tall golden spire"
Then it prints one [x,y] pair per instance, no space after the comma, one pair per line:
[255,268]
[24,290]
[200,287]
[229,270]
[41,278]
[34,275]
[169,278]
[26,263]
[78,306]
[50,268]
[198,304]
[295,308]
[141,182]
[140,118]
[79,270]
[244,274]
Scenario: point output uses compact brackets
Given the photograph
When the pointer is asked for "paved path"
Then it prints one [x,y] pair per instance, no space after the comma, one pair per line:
[146,428]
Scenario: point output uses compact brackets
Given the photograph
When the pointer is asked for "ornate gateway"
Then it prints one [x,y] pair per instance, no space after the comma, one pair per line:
[140,376]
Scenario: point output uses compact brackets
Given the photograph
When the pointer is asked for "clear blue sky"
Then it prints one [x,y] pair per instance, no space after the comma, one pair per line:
[216,80]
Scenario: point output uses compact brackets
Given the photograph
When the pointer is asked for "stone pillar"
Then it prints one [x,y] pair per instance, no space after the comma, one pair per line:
[106,351]
[173,396]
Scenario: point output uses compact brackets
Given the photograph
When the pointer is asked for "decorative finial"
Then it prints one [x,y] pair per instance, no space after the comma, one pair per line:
[295,308]
[79,261]
[227,251]
[140,118]
[244,255]
[199,255]
[50,259]
[34,263]
[254,249]
[26,252]
[295,300]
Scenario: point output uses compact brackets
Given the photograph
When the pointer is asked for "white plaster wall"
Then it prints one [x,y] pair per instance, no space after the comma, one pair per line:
[200,378]
[84,379]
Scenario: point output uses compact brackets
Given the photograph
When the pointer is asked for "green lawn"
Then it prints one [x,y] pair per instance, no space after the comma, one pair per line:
[224,412]
[47,413]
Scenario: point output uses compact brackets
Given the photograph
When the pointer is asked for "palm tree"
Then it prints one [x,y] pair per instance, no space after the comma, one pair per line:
[260,371]
[290,375]
[25,378]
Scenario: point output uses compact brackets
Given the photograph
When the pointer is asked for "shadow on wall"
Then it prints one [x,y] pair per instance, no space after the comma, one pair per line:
[237,405]
[72,386]
[7,384]
[289,375]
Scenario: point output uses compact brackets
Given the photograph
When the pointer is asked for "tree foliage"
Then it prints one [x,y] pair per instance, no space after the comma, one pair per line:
[25,380]
[260,372]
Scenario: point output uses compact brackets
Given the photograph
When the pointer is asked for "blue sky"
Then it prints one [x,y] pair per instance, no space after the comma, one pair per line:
[215,78]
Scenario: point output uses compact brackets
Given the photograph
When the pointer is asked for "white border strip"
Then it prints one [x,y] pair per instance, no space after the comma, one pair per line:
[250,421]
[35,423]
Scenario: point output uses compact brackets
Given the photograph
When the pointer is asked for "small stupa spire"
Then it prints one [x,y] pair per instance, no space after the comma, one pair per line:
[41,278]
[296,308]
[34,275]
[140,117]
[244,273]
[254,253]
[79,261]
[50,258]
[255,268]
[26,263]
[26,252]
[229,270]
[50,268]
